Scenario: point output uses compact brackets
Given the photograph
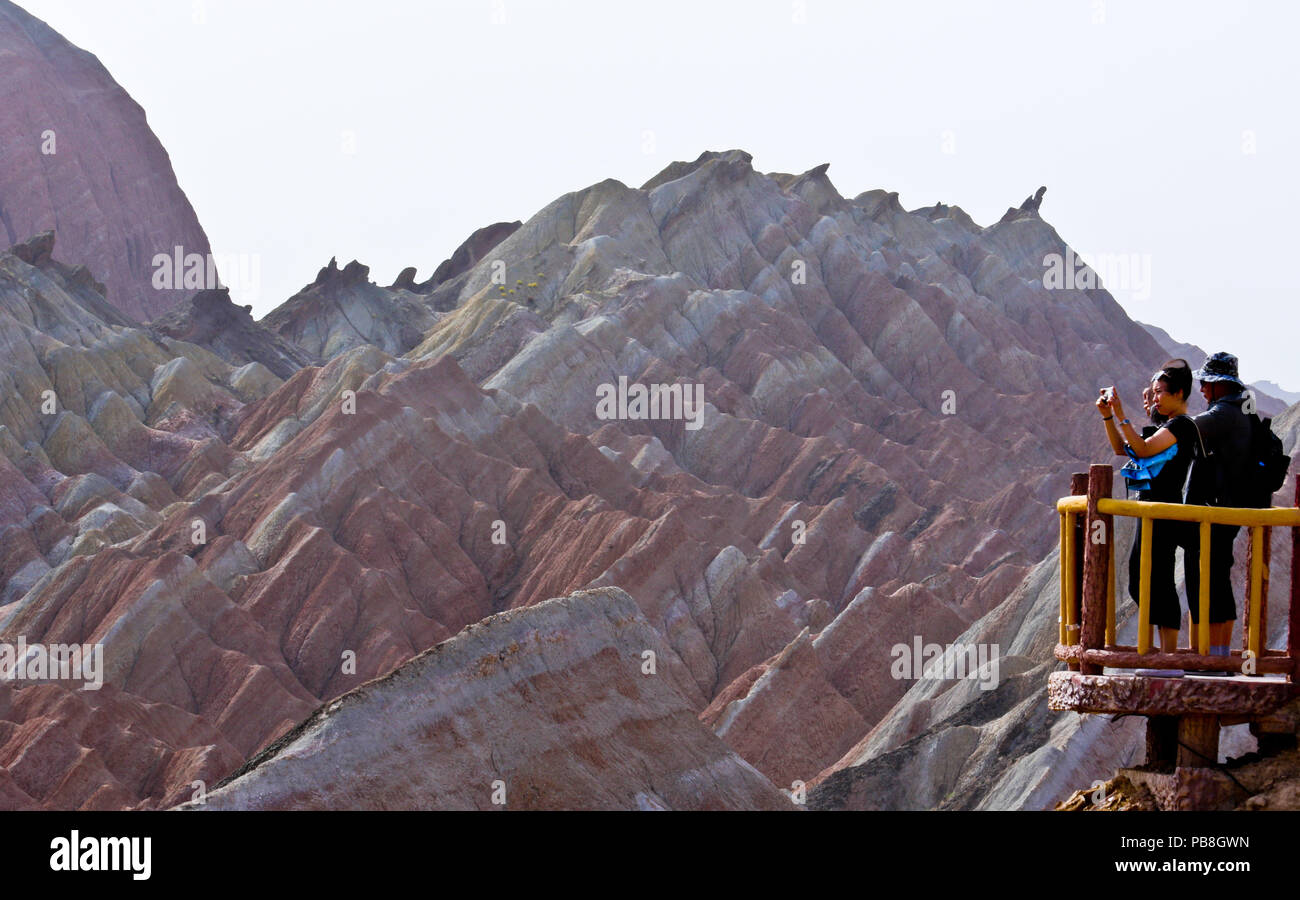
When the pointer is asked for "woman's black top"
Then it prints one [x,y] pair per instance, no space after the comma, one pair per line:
[1167,487]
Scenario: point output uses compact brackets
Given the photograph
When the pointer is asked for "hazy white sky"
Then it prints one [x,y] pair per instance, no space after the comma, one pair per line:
[388,130]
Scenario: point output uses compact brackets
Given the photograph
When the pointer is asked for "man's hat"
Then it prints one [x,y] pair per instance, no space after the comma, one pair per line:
[1219,367]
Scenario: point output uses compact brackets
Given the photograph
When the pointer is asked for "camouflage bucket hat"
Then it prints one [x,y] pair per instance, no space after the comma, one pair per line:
[1219,367]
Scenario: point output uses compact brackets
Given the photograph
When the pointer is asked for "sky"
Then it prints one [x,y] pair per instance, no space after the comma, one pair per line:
[388,130]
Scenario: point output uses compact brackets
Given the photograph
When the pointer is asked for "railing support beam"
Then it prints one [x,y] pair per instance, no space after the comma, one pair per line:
[1198,741]
[1254,592]
[1144,590]
[1203,601]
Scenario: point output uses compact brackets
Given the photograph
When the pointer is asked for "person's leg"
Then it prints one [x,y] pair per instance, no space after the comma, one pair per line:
[1190,540]
[1135,563]
[1223,604]
[1221,638]
[1166,613]
[1135,566]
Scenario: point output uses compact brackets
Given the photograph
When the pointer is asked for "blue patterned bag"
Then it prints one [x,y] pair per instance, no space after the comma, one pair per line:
[1139,473]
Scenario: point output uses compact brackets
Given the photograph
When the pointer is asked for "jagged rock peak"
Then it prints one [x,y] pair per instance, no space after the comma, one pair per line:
[936,210]
[813,187]
[36,250]
[216,303]
[1035,200]
[326,273]
[353,273]
[405,280]
[675,170]
[356,272]
[879,201]
[472,249]
[787,181]
[1028,209]
[343,309]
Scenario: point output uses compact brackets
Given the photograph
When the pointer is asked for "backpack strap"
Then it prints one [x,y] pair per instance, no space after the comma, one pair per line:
[1198,451]
[1200,439]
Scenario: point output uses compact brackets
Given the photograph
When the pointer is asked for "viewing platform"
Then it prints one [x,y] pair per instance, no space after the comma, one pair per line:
[1184,713]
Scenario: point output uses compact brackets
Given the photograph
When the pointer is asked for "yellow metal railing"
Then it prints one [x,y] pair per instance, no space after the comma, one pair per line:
[1097,509]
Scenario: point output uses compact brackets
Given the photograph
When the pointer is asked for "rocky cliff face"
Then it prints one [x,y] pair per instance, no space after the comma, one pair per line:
[80,160]
[952,744]
[889,403]
[573,703]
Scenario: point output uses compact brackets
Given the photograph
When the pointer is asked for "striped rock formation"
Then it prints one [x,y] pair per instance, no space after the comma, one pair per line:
[572,703]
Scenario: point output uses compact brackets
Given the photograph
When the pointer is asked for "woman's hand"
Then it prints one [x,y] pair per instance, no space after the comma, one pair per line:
[1103,405]
[1116,405]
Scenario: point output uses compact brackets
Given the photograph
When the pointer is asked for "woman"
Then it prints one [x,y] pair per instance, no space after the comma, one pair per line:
[1170,389]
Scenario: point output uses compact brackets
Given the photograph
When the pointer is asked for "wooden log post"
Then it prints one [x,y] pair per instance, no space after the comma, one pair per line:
[1063,555]
[1203,596]
[1198,741]
[1074,563]
[1098,535]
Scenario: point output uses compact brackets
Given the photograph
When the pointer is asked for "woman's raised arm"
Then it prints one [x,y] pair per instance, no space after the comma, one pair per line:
[1112,433]
[1142,447]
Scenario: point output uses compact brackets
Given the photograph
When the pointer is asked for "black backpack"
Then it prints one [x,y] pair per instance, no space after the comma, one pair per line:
[1266,464]
[1263,471]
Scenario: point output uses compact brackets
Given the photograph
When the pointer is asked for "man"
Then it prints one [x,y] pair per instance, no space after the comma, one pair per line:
[1218,478]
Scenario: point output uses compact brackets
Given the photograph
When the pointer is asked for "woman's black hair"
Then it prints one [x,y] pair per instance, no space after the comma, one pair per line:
[1177,376]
